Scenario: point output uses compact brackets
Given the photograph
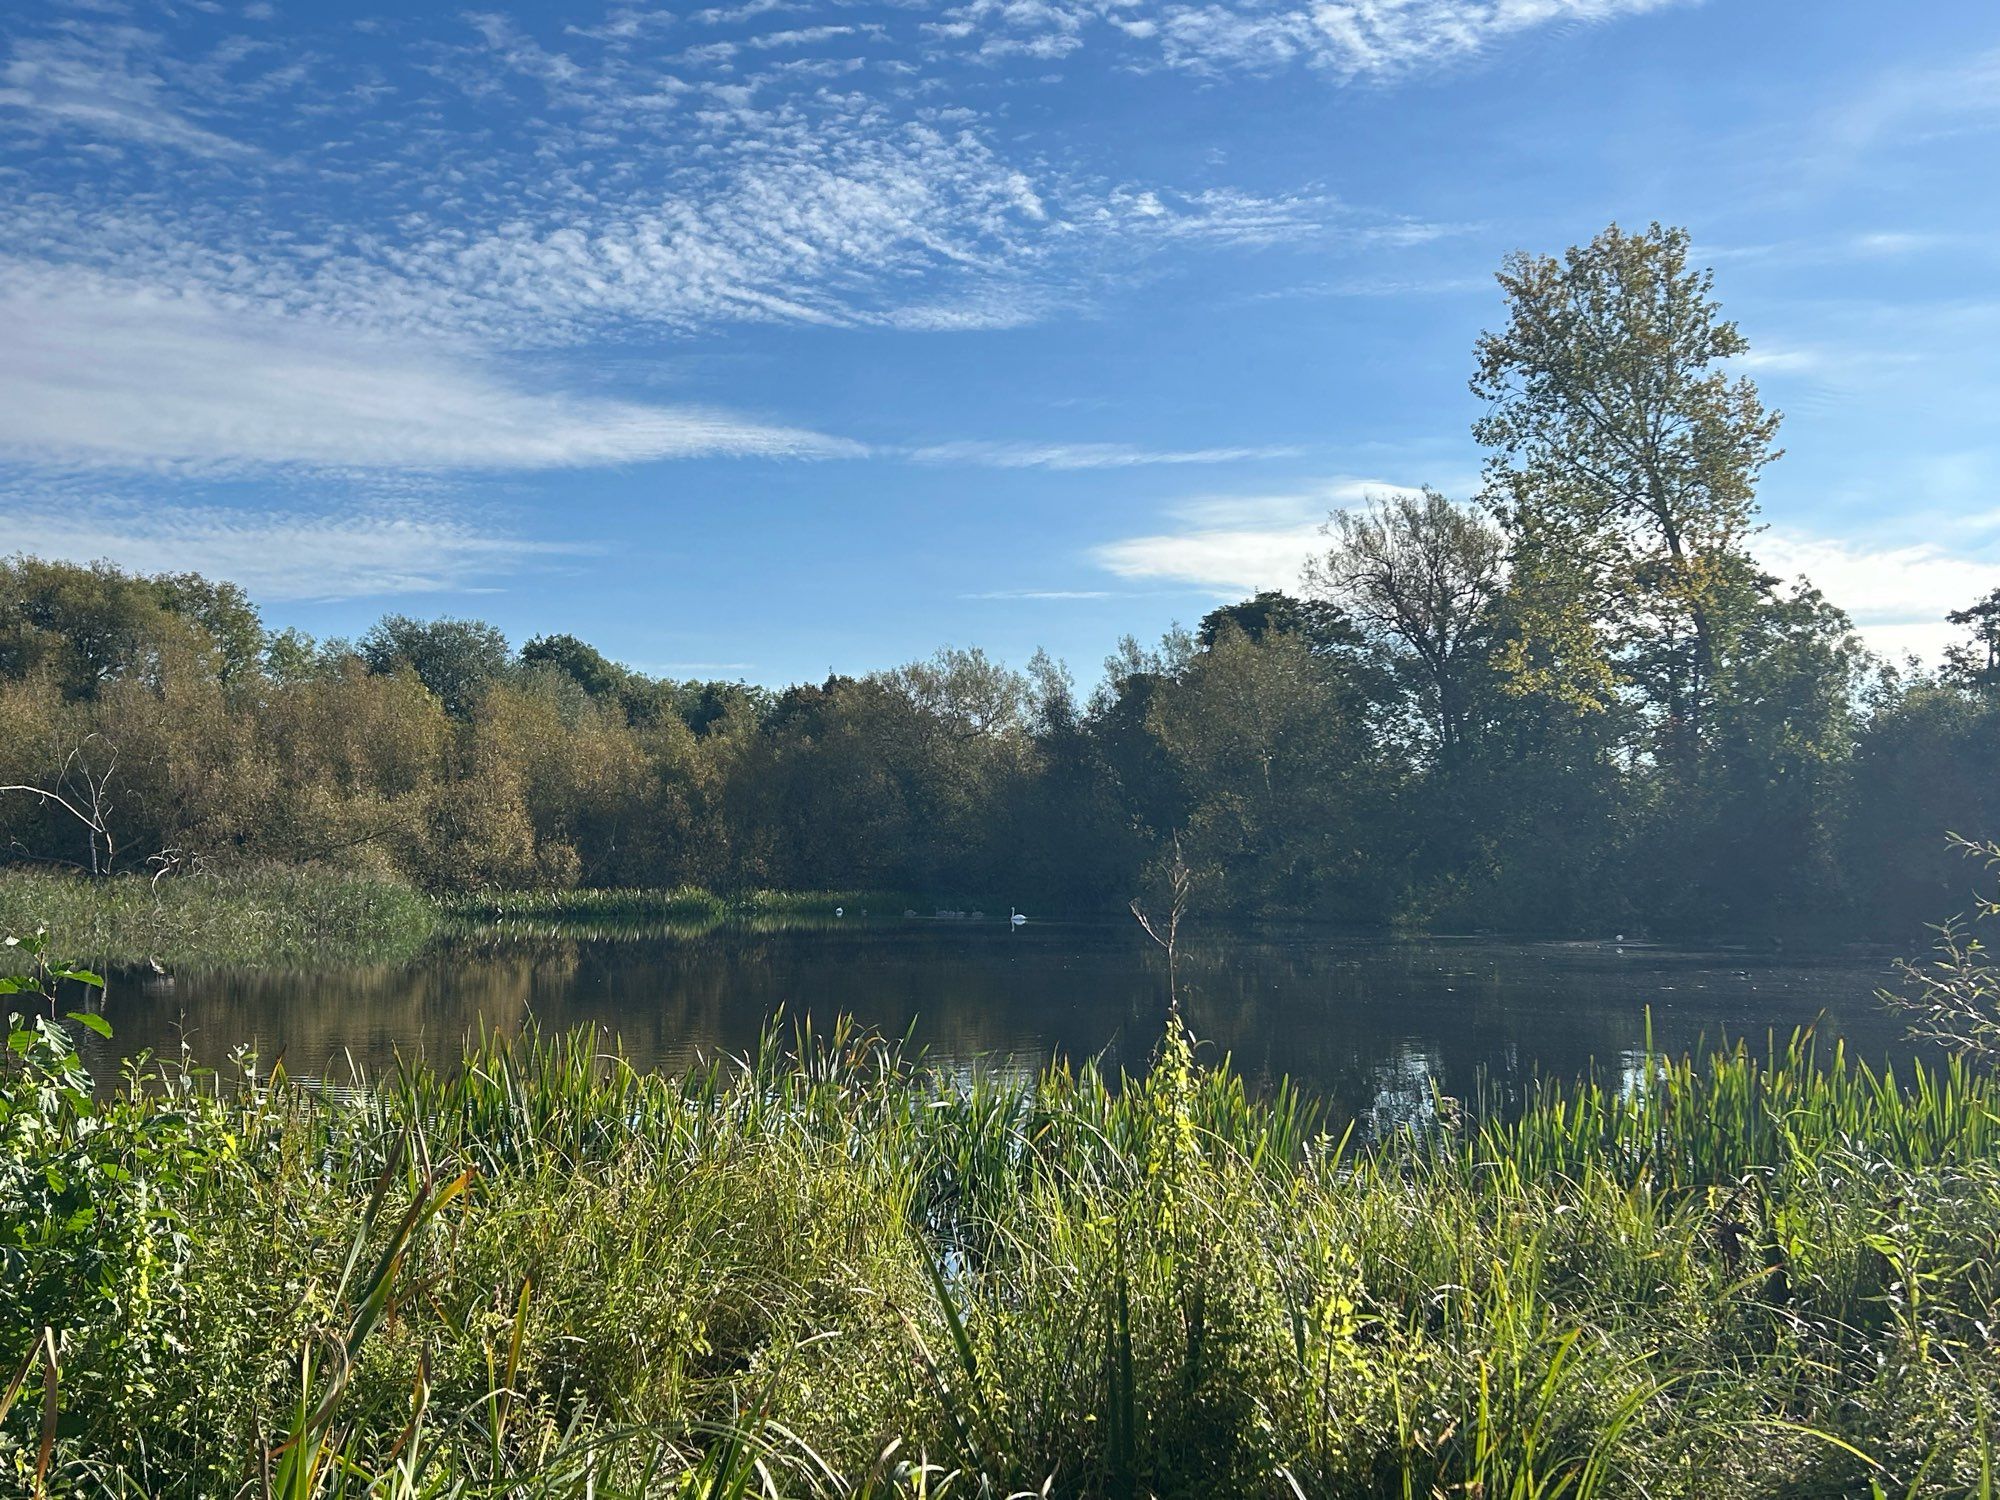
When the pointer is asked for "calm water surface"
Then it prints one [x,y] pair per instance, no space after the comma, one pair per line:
[1371,1024]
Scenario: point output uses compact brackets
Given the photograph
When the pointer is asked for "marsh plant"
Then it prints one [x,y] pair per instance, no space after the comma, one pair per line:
[244,916]
[1954,998]
[824,1269]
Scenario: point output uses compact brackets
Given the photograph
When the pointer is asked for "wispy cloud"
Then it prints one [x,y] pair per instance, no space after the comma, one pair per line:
[1049,594]
[101,373]
[1863,245]
[329,555]
[494,185]
[97,82]
[1379,286]
[636,190]
[1345,39]
[1085,455]
[1232,545]
[1916,104]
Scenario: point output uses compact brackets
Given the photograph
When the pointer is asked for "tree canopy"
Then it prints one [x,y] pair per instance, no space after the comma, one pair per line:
[1572,701]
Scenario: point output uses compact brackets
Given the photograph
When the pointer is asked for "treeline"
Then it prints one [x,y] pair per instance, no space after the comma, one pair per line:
[1574,703]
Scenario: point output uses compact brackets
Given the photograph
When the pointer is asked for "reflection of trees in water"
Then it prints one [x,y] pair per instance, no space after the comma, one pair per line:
[1372,1027]
[1379,1027]
[317,1019]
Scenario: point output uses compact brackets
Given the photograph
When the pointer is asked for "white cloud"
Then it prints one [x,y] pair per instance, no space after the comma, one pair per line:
[802,36]
[105,373]
[1800,361]
[1844,364]
[1379,286]
[1235,545]
[640,191]
[1084,455]
[273,555]
[1049,594]
[97,84]
[1230,217]
[581,184]
[1897,595]
[1346,39]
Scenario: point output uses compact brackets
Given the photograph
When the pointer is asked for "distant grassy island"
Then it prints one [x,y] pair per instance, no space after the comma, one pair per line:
[278,917]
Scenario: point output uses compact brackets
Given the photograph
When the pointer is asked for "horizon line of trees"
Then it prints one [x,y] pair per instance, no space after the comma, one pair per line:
[1571,704]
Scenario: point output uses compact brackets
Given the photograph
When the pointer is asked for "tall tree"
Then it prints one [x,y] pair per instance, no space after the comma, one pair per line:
[1282,773]
[1421,575]
[1321,625]
[1975,661]
[1623,465]
[456,659]
[577,660]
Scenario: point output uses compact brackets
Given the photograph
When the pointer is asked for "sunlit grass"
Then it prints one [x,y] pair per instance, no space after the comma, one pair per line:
[826,1270]
[678,907]
[276,916]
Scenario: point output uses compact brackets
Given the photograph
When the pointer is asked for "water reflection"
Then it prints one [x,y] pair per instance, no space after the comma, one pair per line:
[1378,1028]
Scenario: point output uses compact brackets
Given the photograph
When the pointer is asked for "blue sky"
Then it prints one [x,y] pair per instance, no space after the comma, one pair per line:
[785,335]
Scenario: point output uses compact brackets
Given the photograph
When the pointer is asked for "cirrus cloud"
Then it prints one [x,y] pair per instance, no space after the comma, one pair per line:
[318,555]
[103,373]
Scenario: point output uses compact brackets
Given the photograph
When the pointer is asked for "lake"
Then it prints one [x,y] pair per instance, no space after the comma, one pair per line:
[1372,1025]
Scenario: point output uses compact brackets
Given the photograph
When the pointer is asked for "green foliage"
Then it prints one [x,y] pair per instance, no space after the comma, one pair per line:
[455,660]
[1622,462]
[1423,579]
[580,663]
[1580,706]
[1955,998]
[91,1238]
[1975,662]
[81,628]
[1921,771]
[1284,772]
[825,1270]
[247,917]
[1322,626]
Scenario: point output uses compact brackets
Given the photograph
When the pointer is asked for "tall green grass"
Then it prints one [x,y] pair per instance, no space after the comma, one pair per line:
[274,916]
[610,908]
[677,913]
[280,916]
[823,1269]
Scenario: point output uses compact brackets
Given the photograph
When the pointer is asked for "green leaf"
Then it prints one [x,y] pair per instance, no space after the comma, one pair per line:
[80,976]
[95,1023]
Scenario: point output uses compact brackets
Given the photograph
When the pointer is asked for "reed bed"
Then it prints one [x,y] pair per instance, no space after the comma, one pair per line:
[610,908]
[290,917]
[263,916]
[824,1269]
